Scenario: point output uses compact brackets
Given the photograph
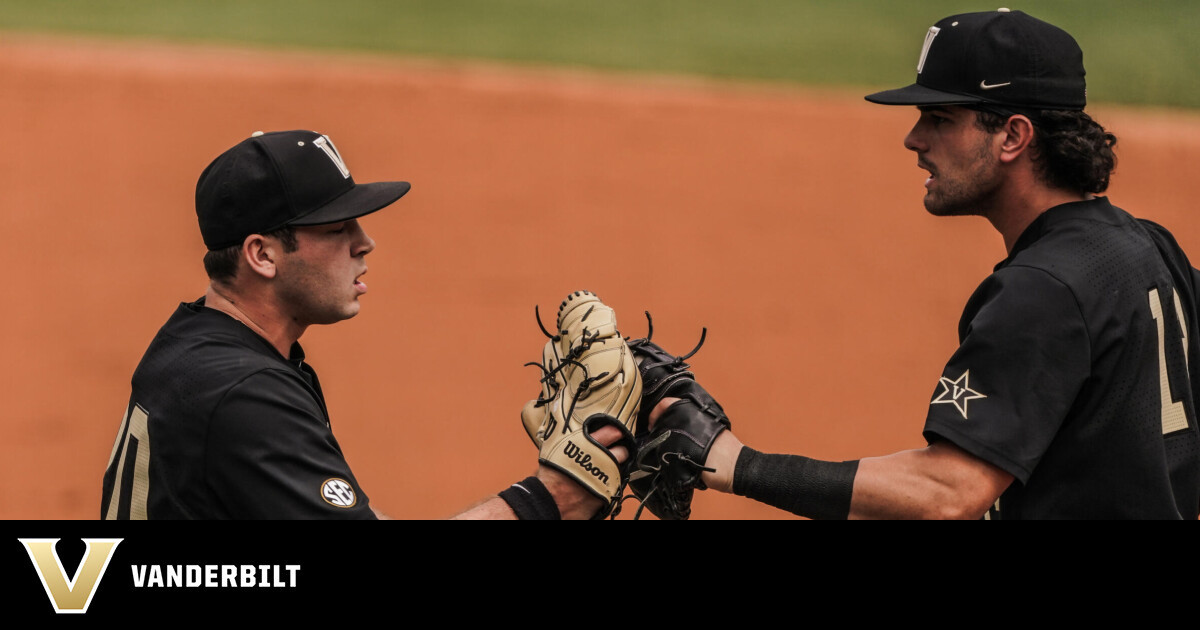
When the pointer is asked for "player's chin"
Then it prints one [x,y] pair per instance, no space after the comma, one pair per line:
[347,311]
[938,207]
[935,209]
[334,317]
[942,211]
[931,204]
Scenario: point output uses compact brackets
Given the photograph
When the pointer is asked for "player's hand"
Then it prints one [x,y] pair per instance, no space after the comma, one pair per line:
[722,457]
[574,502]
[658,410]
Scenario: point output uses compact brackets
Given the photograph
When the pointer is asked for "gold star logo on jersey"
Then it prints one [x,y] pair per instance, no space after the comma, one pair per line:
[957,392]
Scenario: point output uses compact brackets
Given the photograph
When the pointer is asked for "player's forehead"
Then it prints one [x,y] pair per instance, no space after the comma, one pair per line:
[325,228]
[946,110]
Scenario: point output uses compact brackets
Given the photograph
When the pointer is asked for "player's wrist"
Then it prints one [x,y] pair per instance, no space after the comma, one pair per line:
[806,487]
[530,500]
[722,459]
[574,502]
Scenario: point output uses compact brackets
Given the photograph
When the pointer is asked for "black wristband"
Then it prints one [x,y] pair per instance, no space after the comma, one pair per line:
[807,487]
[530,499]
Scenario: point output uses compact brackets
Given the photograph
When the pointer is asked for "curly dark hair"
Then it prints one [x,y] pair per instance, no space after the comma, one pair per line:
[1071,151]
[221,264]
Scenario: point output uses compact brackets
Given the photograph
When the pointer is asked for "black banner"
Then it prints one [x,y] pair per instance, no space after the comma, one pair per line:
[291,569]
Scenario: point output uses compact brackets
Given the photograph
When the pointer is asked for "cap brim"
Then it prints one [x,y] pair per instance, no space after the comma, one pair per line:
[359,201]
[917,94]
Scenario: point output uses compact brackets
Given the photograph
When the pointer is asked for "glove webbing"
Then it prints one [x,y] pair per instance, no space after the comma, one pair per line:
[549,376]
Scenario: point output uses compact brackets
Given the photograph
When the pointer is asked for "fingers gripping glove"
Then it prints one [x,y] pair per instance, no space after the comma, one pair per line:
[589,380]
[671,457]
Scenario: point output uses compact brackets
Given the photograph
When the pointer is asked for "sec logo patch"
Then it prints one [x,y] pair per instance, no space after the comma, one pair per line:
[338,493]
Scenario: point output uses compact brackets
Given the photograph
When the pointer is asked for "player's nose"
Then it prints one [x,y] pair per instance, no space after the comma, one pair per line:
[913,141]
[363,244]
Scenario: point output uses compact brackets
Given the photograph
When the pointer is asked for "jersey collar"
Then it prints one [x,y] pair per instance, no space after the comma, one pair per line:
[1095,209]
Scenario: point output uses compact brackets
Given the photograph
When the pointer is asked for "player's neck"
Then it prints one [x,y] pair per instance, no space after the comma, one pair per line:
[1024,204]
[257,315]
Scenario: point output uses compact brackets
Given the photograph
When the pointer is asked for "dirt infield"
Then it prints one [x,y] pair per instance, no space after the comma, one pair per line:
[788,222]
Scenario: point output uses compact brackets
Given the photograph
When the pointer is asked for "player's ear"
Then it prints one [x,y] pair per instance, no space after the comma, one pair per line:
[1017,137]
[259,254]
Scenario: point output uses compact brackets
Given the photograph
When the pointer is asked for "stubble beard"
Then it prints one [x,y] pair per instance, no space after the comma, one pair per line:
[970,195]
[312,297]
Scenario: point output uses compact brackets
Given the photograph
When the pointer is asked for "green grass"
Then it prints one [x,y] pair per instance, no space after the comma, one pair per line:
[1142,52]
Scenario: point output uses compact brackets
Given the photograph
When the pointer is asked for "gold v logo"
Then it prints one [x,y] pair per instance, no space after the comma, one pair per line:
[73,595]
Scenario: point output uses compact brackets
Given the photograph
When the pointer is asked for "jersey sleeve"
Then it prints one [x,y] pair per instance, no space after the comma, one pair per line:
[272,454]
[1023,357]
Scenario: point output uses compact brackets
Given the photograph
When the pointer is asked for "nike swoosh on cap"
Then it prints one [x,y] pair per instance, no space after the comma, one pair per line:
[984,86]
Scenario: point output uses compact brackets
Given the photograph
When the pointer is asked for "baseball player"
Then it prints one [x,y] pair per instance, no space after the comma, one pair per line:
[227,419]
[1072,392]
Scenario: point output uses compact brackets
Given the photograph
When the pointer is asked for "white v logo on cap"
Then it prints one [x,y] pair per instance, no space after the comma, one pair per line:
[933,31]
[327,146]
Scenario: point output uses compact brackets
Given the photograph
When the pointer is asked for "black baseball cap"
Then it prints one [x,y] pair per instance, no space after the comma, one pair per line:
[280,178]
[1005,58]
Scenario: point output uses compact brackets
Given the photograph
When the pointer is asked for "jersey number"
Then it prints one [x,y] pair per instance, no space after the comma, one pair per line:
[1174,418]
[132,482]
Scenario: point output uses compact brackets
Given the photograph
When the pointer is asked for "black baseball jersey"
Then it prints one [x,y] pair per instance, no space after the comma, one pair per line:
[221,426]
[1073,371]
